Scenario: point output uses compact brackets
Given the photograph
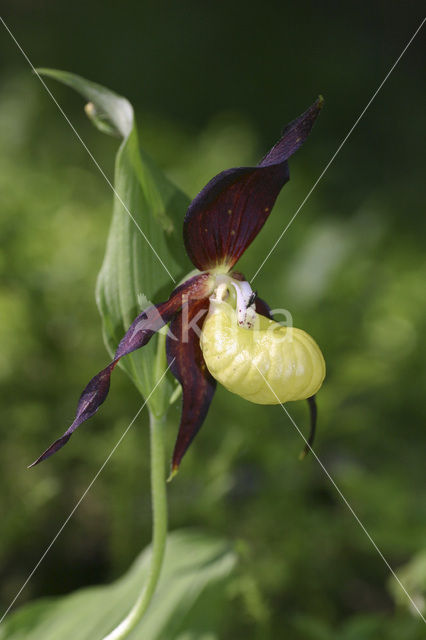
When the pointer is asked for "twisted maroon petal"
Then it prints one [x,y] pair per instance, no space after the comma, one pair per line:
[140,332]
[264,309]
[313,412]
[229,212]
[187,365]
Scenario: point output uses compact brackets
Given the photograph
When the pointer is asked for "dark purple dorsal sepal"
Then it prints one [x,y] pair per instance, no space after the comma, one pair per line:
[226,216]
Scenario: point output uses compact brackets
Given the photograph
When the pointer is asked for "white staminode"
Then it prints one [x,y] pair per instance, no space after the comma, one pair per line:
[246,313]
[245,309]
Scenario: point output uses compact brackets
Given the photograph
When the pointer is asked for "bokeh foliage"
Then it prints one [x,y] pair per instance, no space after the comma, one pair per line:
[351,269]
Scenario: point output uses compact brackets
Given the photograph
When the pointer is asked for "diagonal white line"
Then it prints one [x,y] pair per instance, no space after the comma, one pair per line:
[82,497]
[346,501]
[361,115]
[96,163]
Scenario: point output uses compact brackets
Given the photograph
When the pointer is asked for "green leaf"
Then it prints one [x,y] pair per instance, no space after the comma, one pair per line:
[196,570]
[144,257]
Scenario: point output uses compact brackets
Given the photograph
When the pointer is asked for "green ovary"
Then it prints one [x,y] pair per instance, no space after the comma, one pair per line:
[269,364]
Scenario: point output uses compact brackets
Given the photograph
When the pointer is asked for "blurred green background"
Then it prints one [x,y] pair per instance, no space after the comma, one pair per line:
[212,84]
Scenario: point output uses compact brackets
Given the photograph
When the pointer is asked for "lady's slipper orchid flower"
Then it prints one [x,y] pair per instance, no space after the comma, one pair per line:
[240,346]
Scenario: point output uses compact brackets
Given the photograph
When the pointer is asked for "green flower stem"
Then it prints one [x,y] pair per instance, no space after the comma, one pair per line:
[159,531]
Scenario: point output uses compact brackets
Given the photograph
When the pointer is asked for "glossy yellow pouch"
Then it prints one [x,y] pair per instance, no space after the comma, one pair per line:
[266,364]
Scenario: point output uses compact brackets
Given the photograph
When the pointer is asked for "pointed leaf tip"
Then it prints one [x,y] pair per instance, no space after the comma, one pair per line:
[112,113]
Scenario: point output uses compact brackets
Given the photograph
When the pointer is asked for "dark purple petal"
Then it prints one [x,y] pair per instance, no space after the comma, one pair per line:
[313,424]
[151,320]
[262,308]
[229,212]
[187,365]
[140,332]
